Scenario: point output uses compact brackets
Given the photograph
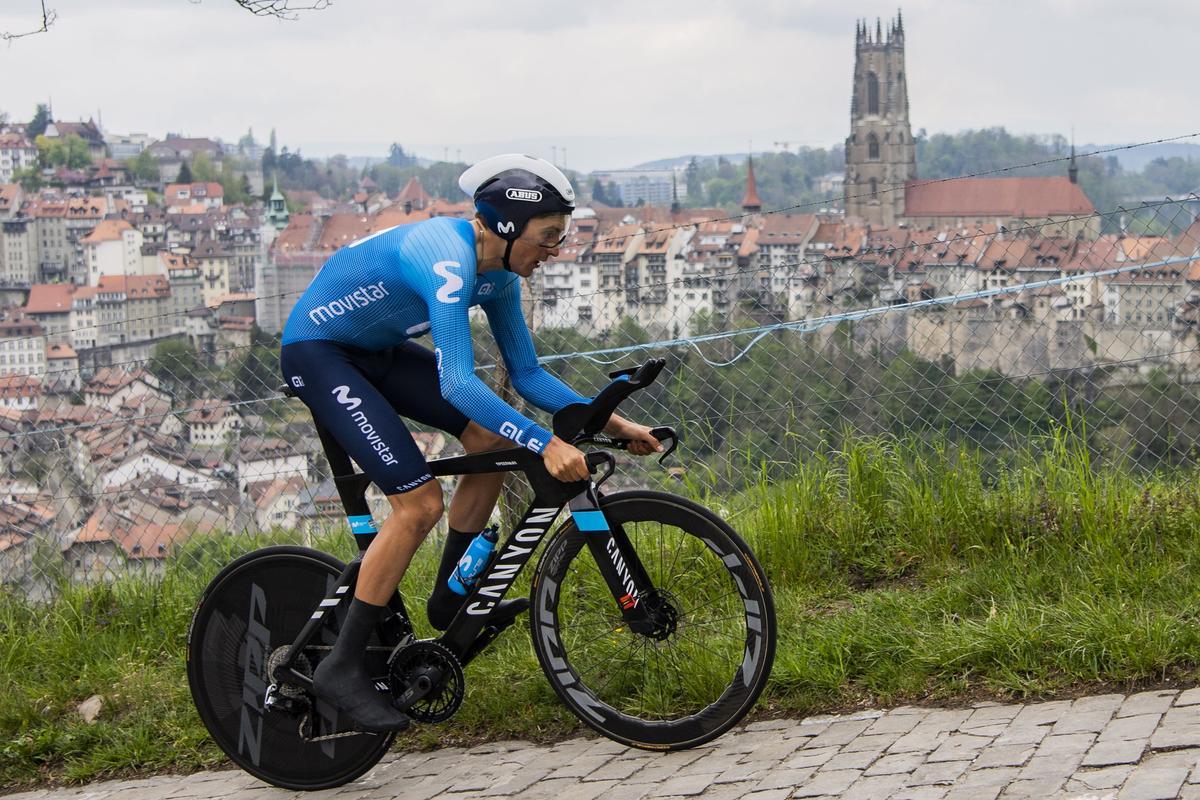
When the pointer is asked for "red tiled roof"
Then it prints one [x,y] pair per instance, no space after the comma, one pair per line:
[206,411]
[109,230]
[108,380]
[49,298]
[413,192]
[135,287]
[617,239]
[787,228]
[1004,197]
[19,386]
[237,323]
[8,195]
[298,235]
[17,324]
[11,139]
[749,243]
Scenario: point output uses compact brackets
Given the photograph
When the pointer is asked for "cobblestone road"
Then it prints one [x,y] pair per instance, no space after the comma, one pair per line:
[1138,747]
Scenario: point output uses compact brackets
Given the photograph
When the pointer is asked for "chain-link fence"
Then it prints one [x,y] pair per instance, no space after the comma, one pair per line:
[784,333]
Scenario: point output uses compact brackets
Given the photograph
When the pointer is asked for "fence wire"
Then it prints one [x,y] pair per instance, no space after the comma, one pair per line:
[784,334]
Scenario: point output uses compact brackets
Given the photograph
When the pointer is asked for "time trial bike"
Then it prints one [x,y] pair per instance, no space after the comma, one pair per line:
[649,615]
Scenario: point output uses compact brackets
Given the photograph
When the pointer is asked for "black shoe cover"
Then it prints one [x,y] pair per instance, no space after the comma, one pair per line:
[348,687]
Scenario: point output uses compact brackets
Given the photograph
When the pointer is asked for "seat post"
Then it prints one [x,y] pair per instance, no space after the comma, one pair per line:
[351,488]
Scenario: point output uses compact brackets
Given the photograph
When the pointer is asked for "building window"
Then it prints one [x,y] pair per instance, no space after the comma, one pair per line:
[873,147]
[872,93]
[874,188]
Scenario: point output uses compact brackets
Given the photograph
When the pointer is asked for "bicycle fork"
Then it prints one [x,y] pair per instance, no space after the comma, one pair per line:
[619,564]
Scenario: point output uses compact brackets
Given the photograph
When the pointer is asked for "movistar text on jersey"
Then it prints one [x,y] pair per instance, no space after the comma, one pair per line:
[362,296]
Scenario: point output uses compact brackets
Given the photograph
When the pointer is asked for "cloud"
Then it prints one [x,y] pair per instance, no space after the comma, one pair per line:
[610,82]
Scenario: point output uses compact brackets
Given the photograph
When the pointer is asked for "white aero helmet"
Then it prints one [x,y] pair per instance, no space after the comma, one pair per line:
[511,189]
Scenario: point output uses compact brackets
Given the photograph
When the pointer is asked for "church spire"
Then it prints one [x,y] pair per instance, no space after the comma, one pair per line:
[750,202]
[1073,169]
[880,150]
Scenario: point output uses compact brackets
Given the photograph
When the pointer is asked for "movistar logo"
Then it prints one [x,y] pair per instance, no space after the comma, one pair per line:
[505,227]
[343,397]
[362,296]
[453,282]
[528,195]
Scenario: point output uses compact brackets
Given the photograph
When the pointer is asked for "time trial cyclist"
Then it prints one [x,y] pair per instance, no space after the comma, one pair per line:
[347,353]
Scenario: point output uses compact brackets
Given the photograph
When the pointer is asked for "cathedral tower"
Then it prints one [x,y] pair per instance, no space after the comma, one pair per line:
[880,153]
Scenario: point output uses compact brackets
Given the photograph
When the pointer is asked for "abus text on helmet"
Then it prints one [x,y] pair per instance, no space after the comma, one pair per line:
[528,195]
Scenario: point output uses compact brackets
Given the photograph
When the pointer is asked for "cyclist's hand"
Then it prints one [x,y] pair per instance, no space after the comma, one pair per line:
[641,443]
[564,461]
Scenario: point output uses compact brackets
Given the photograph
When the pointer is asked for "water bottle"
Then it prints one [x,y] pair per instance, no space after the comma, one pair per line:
[473,561]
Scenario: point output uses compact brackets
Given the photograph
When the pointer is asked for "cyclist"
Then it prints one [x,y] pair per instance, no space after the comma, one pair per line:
[347,354]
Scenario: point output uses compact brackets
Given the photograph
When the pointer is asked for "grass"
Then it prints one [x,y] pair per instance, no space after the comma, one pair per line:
[902,573]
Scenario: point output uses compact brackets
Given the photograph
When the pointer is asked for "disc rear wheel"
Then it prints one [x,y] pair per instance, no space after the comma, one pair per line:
[249,613]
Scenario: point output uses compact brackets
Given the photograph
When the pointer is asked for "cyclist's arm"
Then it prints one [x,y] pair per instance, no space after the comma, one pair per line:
[531,381]
[446,287]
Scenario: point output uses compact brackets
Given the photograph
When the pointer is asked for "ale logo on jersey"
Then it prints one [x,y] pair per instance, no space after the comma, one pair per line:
[526,195]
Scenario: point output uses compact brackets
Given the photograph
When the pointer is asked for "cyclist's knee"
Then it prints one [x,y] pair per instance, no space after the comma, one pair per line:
[478,439]
[422,507]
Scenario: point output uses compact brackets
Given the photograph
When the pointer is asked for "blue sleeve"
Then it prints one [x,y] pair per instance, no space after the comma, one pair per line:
[441,270]
[531,381]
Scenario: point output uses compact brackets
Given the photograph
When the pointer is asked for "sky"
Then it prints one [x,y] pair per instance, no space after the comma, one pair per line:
[597,85]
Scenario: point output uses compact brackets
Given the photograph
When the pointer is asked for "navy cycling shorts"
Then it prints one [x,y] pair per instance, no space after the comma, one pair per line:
[360,395]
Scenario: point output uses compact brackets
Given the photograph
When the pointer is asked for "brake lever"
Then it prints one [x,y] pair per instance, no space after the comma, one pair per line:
[662,433]
[597,458]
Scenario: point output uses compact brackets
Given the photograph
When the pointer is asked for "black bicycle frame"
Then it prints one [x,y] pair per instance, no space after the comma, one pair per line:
[470,632]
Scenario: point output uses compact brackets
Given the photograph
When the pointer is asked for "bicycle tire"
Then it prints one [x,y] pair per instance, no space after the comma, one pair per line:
[567,589]
[272,592]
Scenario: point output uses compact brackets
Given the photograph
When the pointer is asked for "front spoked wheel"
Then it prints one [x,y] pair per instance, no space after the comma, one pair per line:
[699,668]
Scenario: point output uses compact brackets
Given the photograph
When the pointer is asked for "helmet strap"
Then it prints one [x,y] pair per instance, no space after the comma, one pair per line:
[507,252]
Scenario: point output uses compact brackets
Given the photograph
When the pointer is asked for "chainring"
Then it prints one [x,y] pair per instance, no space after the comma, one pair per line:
[445,698]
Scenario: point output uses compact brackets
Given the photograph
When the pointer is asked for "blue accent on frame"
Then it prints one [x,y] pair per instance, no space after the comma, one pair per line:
[588,521]
[362,524]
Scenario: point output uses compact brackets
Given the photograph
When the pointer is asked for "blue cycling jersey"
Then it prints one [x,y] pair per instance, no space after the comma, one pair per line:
[405,281]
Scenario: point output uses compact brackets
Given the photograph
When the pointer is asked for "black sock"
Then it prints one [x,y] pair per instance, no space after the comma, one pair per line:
[361,619]
[443,602]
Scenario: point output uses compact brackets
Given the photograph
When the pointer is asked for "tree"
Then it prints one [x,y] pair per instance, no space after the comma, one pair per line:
[256,372]
[398,158]
[281,9]
[230,185]
[30,178]
[41,118]
[143,167]
[203,169]
[694,187]
[48,17]
[246,144]
[175,362]
[185,173]
[71,152]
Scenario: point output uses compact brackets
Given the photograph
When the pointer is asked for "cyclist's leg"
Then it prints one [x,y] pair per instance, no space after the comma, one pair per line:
[331,380]
[410,381]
